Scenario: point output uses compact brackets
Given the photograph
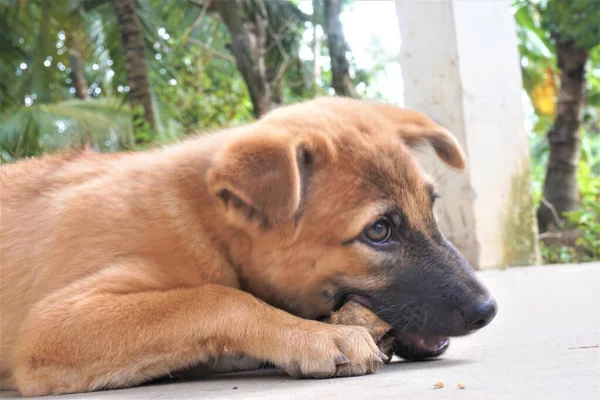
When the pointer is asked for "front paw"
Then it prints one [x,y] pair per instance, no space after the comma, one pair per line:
[325,351]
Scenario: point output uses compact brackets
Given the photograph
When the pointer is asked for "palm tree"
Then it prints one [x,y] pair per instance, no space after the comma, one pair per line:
[135,62]
[76,64]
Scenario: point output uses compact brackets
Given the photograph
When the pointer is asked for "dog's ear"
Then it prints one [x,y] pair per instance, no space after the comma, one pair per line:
[415,128]
[261,174]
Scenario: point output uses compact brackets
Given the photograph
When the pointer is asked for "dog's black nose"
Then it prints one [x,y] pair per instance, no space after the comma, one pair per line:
[480,313]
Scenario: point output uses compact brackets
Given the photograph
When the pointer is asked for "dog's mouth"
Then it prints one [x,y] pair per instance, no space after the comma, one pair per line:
[417,347]
[411,346]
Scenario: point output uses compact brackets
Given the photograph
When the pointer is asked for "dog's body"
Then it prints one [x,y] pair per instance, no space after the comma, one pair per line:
[223,250]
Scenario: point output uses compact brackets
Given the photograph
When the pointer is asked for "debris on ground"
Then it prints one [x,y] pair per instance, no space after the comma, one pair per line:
[438,385]
[594,346]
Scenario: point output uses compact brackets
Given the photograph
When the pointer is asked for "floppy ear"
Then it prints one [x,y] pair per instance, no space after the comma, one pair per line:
[415,127]
[261,174]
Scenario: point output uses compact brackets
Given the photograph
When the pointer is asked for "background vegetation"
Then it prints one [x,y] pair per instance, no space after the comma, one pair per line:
[127,74]
[559,43]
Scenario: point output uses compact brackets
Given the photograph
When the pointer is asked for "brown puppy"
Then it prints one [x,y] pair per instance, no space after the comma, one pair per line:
[223,249]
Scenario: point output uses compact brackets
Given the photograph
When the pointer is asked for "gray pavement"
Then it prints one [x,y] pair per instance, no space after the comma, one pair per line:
[530,351]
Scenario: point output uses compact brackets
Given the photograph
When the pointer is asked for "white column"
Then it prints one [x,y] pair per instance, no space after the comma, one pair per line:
[460,65]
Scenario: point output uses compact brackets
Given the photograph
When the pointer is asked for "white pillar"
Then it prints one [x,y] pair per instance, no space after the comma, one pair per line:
[460,65]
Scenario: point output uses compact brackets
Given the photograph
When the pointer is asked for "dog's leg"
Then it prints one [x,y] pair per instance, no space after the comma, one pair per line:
[97,335]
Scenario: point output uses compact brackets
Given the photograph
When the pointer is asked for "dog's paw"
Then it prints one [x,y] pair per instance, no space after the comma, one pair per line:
[326,351]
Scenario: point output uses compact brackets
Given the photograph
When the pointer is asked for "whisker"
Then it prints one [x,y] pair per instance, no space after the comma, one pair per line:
[442,175]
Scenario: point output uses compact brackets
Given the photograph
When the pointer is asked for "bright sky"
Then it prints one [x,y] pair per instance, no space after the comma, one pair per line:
[366,23]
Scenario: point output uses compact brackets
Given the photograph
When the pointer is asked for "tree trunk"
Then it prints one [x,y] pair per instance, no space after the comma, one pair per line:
[317,20]
[248,40]
[135,63]
[276,86]
[340,69]
[560,186]
[77,70]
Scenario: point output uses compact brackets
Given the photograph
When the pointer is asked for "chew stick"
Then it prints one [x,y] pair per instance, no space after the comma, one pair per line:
[354,313]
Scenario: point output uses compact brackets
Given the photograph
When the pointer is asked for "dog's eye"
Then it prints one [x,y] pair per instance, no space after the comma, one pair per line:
[379,232]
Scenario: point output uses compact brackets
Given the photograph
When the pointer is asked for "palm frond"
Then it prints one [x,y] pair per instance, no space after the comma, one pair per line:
[105,124]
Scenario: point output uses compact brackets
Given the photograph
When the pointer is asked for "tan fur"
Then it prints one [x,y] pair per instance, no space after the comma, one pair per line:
[116,269]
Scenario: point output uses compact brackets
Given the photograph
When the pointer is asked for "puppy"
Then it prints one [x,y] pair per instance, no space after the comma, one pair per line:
[225,249]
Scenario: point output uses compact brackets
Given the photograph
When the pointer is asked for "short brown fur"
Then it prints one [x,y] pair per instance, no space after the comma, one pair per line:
[117,269]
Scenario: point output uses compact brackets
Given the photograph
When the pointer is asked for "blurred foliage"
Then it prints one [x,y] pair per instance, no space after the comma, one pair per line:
[195,83]
[573,20]
[195,80]
[577,20]
[104,124]
[586,220]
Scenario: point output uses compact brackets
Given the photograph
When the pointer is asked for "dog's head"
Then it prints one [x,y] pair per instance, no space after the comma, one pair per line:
[329,204]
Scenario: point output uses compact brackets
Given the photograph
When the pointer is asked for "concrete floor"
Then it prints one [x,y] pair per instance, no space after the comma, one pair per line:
[530,351]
